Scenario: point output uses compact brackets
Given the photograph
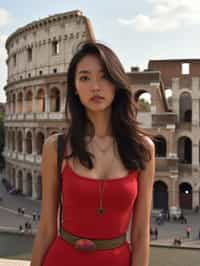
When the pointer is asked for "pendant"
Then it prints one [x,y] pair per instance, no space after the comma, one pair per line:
[100,211]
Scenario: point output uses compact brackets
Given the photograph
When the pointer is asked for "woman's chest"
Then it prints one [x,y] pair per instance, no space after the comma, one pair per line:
[106,166]
[83,192]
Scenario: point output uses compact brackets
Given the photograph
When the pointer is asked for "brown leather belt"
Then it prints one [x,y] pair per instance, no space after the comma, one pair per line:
[85,244]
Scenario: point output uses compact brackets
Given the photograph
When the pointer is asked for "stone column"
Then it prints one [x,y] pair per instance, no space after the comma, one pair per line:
[17,180]
[62,99]
[36,188]
[195,198]
[171,144]
[47,100]
[174,190]
[25,183]
[34,185]
[23,103]
[195,154]
[33,141]
[16,143]
[34,100]
[24,141]
[172,193]
[175,99]
[195,112]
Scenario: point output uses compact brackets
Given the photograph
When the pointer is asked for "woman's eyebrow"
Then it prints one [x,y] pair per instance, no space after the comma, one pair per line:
[84,72]
[88,72]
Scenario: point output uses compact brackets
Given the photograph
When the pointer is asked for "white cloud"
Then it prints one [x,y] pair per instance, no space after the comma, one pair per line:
[3,56]
[166,15]
[5,17]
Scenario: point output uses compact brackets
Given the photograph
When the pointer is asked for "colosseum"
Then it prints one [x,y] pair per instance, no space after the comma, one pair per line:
[38,57]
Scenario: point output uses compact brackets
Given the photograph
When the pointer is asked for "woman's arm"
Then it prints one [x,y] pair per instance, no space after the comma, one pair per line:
[47,229]
[140,228]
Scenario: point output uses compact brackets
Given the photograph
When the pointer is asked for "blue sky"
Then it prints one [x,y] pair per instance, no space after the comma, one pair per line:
[136,30]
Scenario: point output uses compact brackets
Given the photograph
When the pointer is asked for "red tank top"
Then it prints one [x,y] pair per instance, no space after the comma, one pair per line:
[81,202]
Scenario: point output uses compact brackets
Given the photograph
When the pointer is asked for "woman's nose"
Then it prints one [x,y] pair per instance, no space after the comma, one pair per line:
[95,86]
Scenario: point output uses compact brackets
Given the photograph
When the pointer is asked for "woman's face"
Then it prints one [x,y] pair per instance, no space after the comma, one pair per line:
[95,90]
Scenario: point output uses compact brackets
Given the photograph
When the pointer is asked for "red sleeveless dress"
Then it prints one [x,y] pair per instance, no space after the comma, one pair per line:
[80,217]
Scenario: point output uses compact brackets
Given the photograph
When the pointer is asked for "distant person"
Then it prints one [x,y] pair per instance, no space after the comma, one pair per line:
[34,215]
[26,226]
[177,241]
[19,210]
[30,227]
[188,231]
[20,228]
[38,215]
[151,232]
[156,233]
[196,209]
[168,216]
[22,211]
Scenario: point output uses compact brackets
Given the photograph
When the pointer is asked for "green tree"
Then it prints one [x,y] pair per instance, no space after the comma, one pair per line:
[144,106]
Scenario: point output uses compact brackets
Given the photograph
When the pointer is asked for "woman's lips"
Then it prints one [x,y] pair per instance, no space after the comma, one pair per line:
[97,99]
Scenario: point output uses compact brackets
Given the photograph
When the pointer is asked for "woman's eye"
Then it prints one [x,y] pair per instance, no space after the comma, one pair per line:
[105,76]
[83,78]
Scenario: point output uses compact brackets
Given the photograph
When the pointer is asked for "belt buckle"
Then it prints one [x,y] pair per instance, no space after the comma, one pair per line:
[83,244]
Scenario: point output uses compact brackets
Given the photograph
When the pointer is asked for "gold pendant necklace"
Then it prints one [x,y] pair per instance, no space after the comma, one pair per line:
[101,187]
[101,209]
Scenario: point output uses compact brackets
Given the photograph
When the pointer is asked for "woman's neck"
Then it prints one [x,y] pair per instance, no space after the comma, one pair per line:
[101,122]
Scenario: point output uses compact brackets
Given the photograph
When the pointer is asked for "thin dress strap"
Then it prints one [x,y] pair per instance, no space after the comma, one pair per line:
[60,155]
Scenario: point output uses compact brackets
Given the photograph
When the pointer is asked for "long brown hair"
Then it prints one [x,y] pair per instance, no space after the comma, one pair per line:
[126,131]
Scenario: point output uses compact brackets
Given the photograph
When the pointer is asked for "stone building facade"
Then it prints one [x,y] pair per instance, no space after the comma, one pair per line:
[182,77]
[38,57]
[176,128]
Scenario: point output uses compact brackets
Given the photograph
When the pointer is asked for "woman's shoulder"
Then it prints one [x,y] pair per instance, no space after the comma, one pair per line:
[148,142]
[51,141]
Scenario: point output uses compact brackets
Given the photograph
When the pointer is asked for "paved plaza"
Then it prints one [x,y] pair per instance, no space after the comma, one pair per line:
[160,256]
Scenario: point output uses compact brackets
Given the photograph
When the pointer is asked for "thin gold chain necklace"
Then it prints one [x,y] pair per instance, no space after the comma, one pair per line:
[101,188]
[104,149]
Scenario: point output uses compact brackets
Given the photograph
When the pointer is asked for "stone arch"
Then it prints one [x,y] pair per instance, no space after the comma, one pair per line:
[185,107]
[29,101]
[20,180]
[19,141]
[13,177]
[14,103]
[160,145]
[185,150]
[160,195]
[168,95]
[29,184]
[185,195]
[54,100]
[9,102]
[39,142]
[40,100]
[29,142]
[9,140]
[20,102]
[13,140]
[39,187]
[143,101]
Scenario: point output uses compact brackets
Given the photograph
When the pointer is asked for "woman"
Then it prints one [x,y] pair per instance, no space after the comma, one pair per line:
[107,173]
